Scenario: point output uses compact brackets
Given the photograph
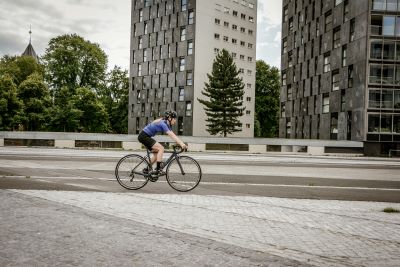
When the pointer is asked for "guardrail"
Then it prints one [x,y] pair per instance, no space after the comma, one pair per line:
[129,142]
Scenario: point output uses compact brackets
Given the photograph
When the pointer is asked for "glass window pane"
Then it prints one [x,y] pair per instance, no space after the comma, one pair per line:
[397,99]
[388,51]
[375,74]
[378,4]
[386,123]
[396,123]
[388,74]
[387,99]
[391,5]
[398,26]
[388,25]
[373,123]
[374,98]
[376,50]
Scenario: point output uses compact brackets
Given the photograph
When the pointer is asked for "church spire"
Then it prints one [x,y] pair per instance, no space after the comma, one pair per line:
[29,51]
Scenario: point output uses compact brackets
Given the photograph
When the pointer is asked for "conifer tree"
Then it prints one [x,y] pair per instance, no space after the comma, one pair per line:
[224,93]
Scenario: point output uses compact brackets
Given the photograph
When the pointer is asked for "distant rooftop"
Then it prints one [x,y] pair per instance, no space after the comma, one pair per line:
[29,51]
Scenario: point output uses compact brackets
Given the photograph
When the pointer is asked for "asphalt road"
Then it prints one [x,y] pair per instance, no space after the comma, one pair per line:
[291,176]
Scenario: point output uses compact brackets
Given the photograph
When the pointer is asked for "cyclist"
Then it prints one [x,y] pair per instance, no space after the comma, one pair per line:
[162,125]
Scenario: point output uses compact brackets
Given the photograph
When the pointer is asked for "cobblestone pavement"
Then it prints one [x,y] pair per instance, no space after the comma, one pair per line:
[316,232]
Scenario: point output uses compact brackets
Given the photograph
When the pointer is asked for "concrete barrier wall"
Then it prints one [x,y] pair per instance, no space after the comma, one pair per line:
[130,142]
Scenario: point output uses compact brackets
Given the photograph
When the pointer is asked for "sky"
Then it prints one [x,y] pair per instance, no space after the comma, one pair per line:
[107,23]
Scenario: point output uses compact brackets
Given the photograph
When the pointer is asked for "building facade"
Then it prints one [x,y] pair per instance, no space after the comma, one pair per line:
[173,45]
[341,72]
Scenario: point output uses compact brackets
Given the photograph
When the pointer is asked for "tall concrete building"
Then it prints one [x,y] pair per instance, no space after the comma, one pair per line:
[341,72]
[173,45]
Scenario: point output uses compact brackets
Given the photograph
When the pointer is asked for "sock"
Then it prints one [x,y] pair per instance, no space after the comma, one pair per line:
[159,165]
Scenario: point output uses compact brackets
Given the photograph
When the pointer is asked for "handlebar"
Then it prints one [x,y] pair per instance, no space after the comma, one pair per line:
[175,147]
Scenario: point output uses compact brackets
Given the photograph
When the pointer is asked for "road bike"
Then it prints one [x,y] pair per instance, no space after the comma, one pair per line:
[182,173]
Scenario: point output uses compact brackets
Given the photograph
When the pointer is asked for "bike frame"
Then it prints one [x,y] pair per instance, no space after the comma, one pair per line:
[174,155]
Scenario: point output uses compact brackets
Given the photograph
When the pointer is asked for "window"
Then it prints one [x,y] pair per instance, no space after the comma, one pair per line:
[249,72]
[216,50]
[346,11]
[250,45]
[344,55]
[140,15]
[343,100]
[183,5]
[133,57]
[352,29]
[145,55]
[334,126]
[291,24]
[234,41]
[217,21]
[285,13]
[242,30]
[250,32]
[251,19]
[249,86]
[337,2]
[373,123]
[378,4]
[233,55]
[190,17]
[169,51]
[234,13]
[242,43]
[251,5]
[189,78]
[139,73]
[335,80]
[376,49]
[327,62]
[226,24]
[325,103]
[183,34]
[226,39]
[218,7]
[388,74]
[140,40]
[181,93]
[241,57]
[242,16]
[317,27]
[288,127]
[283,109]
[241,70]
[248,99]
[216,36]
[374,99]
[284,46]
[336,37]
[248,112]
[375,73]
[289,92]
[284,77]
[146,26]
[188,108]
[389,51]
[190,47]
[226,10]
[249,59]
[182,64]
[388,25]
[328,21]
[234,27]
[350,77]
[290,59]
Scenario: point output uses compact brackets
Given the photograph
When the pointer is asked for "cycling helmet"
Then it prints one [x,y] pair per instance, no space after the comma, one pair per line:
[170,114]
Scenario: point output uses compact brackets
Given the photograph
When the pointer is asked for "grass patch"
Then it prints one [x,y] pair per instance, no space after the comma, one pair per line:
[390,210]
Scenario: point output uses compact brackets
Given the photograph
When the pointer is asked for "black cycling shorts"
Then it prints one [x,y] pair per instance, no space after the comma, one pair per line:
[146,140]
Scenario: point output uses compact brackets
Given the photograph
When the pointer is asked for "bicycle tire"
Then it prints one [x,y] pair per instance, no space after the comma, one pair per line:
[124,172]
[187,181]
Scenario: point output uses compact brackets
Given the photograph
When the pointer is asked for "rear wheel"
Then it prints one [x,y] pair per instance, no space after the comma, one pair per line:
[129,172]
[183,174]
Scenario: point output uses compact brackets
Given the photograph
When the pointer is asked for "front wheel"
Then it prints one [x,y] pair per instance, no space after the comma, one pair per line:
[129,172]
[183,173]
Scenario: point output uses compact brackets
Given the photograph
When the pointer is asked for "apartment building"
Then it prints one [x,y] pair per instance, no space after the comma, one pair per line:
[173,45]
[340,72]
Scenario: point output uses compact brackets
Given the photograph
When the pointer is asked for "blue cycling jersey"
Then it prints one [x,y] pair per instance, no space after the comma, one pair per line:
[157,127]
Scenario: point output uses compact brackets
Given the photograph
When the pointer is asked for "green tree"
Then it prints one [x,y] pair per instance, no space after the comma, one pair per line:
[224,92]
[72,62]
[114,96]
[10,105]
[36,98]
[94,117]
[20,67]
[267,99]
